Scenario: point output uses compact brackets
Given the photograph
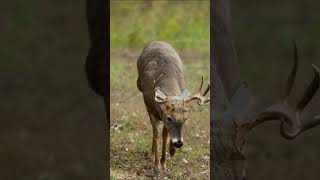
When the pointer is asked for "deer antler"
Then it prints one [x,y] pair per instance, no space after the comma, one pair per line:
[200,96]
[155,82]
[292,122]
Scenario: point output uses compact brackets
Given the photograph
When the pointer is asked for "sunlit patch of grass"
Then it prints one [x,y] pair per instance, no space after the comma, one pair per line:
[184,24]
[116,69]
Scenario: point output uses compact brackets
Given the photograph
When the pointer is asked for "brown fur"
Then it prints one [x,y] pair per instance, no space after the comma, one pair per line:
[160,66]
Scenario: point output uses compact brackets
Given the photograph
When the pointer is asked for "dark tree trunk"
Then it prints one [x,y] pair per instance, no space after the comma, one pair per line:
[97,64]
[226,162]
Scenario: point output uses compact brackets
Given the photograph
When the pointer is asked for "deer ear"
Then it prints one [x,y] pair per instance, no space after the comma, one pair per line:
[159,96]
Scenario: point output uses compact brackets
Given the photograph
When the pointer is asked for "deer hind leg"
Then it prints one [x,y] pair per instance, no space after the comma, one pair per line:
[155,141]
[164,147]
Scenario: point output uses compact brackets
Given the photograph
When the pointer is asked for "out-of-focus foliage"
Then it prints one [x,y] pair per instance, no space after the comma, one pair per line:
[133,24]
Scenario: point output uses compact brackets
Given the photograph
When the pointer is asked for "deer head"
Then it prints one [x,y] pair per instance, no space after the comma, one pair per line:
[175,110]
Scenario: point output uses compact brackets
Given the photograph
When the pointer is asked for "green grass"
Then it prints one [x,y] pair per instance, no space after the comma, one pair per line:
[133,25]
[131,143]
[184,24]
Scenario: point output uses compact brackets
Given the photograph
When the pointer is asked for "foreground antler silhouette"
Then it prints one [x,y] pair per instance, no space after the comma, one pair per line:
[292,121]
[229,129]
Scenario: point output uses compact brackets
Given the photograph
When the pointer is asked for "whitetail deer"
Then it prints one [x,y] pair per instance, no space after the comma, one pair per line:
[162,85]
[231,127]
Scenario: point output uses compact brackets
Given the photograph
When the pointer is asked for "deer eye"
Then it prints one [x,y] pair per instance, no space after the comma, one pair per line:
[169,119]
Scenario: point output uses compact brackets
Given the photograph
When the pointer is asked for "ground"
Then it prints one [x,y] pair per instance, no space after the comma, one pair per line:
[131,134]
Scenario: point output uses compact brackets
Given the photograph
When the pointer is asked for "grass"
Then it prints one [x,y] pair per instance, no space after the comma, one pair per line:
[133,25]
[131,130]
[184,24]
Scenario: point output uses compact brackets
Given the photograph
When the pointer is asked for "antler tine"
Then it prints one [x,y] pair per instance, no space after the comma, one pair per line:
[311,124]
[199,96]
[311,90]
[296,130]
[207,90]
[155,82]
[295,122]
[207,100]
[201,84]
[290,118]
[293,73]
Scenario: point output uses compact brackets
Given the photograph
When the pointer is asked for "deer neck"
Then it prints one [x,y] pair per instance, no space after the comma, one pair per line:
[170,86]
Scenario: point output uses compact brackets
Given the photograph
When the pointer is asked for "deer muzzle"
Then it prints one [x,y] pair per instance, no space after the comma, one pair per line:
[177,142]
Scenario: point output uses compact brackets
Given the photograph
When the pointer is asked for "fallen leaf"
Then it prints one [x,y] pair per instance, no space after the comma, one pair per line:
[185,161]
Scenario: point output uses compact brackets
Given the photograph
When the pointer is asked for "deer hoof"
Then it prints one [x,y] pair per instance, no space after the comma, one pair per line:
[163,167]
[152,158]
[158,168]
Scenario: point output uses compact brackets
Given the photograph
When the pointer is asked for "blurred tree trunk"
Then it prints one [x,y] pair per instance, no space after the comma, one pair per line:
[97,68]
[224,160]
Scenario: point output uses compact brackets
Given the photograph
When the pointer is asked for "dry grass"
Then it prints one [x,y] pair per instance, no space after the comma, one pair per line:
[131,142]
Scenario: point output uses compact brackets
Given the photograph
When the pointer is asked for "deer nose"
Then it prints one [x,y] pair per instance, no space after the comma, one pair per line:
[178,144]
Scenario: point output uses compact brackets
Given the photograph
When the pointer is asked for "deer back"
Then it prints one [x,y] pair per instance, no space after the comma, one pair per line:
[161,63]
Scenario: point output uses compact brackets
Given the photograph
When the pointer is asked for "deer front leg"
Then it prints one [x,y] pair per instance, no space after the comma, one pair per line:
[155,144]
[164,147]
[155,141]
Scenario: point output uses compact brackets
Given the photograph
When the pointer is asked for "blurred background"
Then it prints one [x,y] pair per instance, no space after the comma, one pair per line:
[264,32]
[52,124]
[133,25]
